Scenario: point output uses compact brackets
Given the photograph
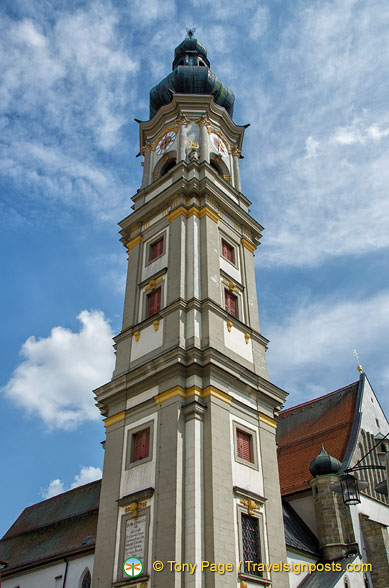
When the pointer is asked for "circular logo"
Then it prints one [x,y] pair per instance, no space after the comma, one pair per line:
[133,567]
[166,142]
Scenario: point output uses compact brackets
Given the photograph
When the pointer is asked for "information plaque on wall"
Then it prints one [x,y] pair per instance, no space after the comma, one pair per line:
[135,538]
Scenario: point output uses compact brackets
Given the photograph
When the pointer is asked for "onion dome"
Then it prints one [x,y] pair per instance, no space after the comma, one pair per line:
[190,75]
[324,464]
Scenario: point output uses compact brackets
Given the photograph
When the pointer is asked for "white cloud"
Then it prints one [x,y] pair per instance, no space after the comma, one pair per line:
[258,23]
[356,133]
[316,146]
[58,373]
[145,11]
[87,474]
[63,101]
[55,487]
[310,348]
[311,146]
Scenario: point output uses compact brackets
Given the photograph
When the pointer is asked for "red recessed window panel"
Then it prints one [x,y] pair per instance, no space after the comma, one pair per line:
[156,249]
[231,303]
[228,251]
[141,445]
[244,448]
[154,302]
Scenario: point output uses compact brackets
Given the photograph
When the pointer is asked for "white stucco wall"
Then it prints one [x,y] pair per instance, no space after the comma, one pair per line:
[45,577]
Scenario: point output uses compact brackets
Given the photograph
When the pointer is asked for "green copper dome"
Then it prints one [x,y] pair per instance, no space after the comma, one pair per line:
[324,464]
[190,75]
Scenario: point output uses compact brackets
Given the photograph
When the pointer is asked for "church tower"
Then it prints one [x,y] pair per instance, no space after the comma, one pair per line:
[190,471]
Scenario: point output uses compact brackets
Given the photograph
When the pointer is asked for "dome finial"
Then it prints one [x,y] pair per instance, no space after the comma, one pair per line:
[359,367]
[324,464]
[190,32]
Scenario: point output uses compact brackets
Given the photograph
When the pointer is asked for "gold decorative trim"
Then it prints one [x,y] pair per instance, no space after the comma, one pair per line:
[137,335]
[228,178]
[134,242]
[267,420]
[251,505]
[192,391]
[247,337]
[229,325]
[211,391]
[203,120]
[182,120]
[156,325]
[231,286]
[116,418]
[236,152]
[134,507]
[146,147]
[193,211]
[248,245]
[176,391]
[152,284]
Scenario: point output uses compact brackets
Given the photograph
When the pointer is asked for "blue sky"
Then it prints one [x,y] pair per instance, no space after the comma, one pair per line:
[311,78]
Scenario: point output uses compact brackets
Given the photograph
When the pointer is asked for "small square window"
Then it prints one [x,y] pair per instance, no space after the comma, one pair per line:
[153,302]
[228,251]
[156,249]
[140,445]
[244,446]
[231,303]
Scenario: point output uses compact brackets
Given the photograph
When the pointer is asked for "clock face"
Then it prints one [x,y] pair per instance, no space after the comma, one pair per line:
[166,142]
[218,144]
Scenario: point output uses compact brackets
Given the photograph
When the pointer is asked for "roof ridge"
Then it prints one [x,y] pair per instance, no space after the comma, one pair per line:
[318,398]
[48,525]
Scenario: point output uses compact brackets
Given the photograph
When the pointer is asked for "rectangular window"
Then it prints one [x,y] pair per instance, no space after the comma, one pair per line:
[156,249]
[244,445]
[154,302]
[140,445]
[250,544]
[228,251]
[231,303]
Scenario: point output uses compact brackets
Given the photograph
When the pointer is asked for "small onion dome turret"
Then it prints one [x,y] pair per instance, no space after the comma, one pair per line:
[190,75]
[324,464]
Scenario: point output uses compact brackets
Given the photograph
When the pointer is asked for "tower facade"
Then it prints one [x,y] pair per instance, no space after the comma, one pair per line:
[190,472]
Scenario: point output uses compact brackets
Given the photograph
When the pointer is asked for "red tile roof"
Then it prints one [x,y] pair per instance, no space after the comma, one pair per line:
[303,428]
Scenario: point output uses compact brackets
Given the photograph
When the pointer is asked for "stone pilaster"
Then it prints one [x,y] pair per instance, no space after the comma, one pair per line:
[377,550]
[235,162]
[334,524]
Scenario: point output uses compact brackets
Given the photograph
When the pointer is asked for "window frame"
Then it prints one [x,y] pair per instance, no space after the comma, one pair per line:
[235,248]
[148,296]
[254,442]
[129,463]
[264,577]
[231,248]
[228,292]
[150,243]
